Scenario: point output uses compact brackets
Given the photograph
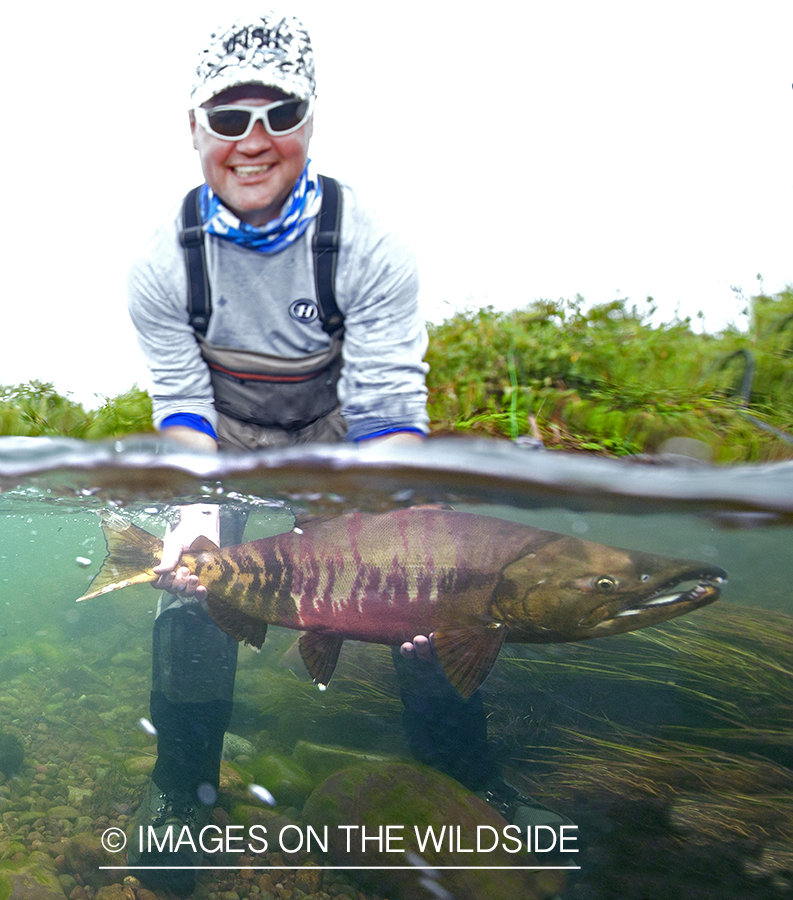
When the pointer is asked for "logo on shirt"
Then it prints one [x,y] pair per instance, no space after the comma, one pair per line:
[304,310]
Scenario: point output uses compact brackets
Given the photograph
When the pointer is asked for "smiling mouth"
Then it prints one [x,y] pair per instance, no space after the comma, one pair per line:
[251,170]
[692,589]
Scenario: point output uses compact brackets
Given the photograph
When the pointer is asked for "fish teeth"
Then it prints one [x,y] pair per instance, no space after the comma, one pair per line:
[663,600]
[666,598]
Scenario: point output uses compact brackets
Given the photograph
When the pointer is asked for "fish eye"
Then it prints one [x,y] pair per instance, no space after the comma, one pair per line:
[644,578]
[605,584]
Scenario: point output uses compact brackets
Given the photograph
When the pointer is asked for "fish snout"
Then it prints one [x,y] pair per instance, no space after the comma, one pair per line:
[674,596]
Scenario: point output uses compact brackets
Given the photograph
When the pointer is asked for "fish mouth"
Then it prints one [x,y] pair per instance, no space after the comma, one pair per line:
[691,589]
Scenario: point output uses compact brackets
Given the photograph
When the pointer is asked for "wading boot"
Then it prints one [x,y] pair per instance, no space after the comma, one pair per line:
[166,836]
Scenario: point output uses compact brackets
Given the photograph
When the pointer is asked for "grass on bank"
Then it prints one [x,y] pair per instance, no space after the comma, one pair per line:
[600,379]
[36,409]
[605,380]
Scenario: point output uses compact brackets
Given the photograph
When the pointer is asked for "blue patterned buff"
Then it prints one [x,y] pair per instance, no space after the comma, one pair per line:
[302,205]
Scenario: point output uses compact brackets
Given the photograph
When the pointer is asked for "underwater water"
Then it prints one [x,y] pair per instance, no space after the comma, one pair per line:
[670,748]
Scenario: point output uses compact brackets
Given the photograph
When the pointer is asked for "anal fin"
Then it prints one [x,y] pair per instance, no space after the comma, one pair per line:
[320,653]
[468,653]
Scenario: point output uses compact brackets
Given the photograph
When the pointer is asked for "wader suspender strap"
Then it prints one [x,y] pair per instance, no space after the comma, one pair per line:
[326,252]
[325,247]
[199,305]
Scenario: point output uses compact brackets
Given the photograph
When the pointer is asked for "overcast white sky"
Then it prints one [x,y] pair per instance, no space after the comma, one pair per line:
[525,150]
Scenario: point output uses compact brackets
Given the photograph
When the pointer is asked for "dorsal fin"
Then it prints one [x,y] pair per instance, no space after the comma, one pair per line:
[439,505]
[309,520]
[203,543]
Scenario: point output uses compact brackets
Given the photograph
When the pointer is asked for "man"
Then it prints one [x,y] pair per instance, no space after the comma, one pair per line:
[253,340]
[270,367]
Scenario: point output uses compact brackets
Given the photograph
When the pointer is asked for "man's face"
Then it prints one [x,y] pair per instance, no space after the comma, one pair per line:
[253,176]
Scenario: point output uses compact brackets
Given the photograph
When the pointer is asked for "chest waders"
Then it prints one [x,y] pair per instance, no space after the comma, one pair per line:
[265,401]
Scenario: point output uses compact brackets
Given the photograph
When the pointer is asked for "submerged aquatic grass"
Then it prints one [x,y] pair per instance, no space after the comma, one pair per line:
[729,668]
[696,714]
[711,796]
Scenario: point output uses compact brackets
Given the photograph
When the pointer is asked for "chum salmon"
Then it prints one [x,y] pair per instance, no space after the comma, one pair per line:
[471,581]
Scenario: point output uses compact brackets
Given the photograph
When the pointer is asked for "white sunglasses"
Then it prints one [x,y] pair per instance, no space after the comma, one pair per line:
[233,123]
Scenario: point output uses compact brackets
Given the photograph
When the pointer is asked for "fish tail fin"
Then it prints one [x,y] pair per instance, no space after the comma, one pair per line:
[132,554]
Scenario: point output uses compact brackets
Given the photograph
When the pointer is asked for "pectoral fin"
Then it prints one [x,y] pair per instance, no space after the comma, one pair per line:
[320,653]
[468,653]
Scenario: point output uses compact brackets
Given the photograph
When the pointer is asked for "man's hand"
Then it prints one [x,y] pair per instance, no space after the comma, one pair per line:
[195,521]
[419,648]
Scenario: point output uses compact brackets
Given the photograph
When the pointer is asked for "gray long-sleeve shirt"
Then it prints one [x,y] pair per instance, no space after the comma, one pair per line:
[256,306]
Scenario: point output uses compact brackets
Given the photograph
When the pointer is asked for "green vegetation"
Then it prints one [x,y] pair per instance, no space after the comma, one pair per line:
[605,380]
[599,379]
[36,410]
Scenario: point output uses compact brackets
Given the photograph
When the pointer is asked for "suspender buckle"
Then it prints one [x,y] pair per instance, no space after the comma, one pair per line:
[192,237]
[333,323]
[326,240]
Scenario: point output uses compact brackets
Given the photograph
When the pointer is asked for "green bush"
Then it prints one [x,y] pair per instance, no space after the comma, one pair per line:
[36,409]
[605,380]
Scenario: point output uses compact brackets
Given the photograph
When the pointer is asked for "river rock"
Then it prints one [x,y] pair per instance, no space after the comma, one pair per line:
[10,848]
[322,760]
[111,892]
[308,879]
[248,814]
[415,797]
[234,783]
[78,796]
[140,765]
[139,658]
[84,854]
[67,883]
[26,881]
[31,656]
[63,812]
[288,782]
[234,746]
